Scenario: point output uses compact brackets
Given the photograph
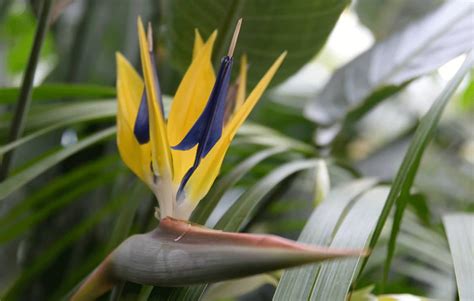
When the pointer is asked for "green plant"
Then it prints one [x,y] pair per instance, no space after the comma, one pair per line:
[380,182]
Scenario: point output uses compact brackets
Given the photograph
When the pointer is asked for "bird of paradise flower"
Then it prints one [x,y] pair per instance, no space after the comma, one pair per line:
[179,157]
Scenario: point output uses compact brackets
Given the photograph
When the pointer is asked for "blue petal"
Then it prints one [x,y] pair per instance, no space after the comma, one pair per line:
[208,128]
[142,123]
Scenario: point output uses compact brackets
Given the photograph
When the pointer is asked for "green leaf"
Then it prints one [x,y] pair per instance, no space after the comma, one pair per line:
[268,29]
[386,67]
[296,284]
[262,135]
[384,17]
[21,178]
[18,33]
[238,287]
[334,278]
[64,183]
[400,189]
[52,253]
[48,114]
[467,101]
[247,204]
[460,231]
[21,225]
[78,119]
[206,206]
[59,92]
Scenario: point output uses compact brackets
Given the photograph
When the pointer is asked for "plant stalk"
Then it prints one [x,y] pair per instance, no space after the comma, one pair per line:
[24,99]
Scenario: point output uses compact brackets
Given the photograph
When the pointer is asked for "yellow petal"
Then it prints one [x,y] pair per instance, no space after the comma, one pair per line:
[160,151]
[189,102]
[202,179]
[244,111]
[239,100]
[129,92]
[198,43]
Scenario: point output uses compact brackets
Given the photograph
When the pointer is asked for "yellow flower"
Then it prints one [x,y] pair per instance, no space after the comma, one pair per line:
[179,156]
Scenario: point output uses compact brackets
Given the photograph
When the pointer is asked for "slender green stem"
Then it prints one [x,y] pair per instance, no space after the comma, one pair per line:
[24,99]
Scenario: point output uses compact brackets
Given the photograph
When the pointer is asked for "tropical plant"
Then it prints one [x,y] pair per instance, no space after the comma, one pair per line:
[378,157]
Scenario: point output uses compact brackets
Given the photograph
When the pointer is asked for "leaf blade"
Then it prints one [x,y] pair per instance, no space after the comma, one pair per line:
[418,49]
[462,250]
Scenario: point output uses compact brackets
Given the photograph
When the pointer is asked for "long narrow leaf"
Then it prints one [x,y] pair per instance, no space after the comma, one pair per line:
[246,205]
[20,226]
[460,231]
[403,182]
[60,91]
[296,284]
[335,278]
[59,246]
[17,143]
[48,114]
[205,207]
[64,183]
[23,177]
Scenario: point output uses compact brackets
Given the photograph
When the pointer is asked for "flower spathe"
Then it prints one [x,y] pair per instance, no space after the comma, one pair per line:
[180,156]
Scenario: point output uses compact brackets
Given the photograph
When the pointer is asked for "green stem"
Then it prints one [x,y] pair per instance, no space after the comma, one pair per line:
[24,99]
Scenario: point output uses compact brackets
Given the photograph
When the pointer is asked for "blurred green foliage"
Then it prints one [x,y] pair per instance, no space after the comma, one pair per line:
[70,200]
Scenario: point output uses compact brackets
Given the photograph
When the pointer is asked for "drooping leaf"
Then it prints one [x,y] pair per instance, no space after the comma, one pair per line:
[460,231]
[382,70]
[21,225]
[247,204]
[66,182]
[87,117]
[21,178]
[269,27]
[403,182]
[59,92]
[48,114]
[205,207]
[296,284]
[44,259]
[334,278]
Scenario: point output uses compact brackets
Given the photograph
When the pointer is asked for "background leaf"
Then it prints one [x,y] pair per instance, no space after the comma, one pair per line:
[21,178]
[334,279]
[298,283]
[269,28]
[400,190]
[460,232]
[59,91]
[419,49]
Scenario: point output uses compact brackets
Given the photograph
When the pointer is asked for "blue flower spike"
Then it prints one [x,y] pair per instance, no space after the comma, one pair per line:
[208,128]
